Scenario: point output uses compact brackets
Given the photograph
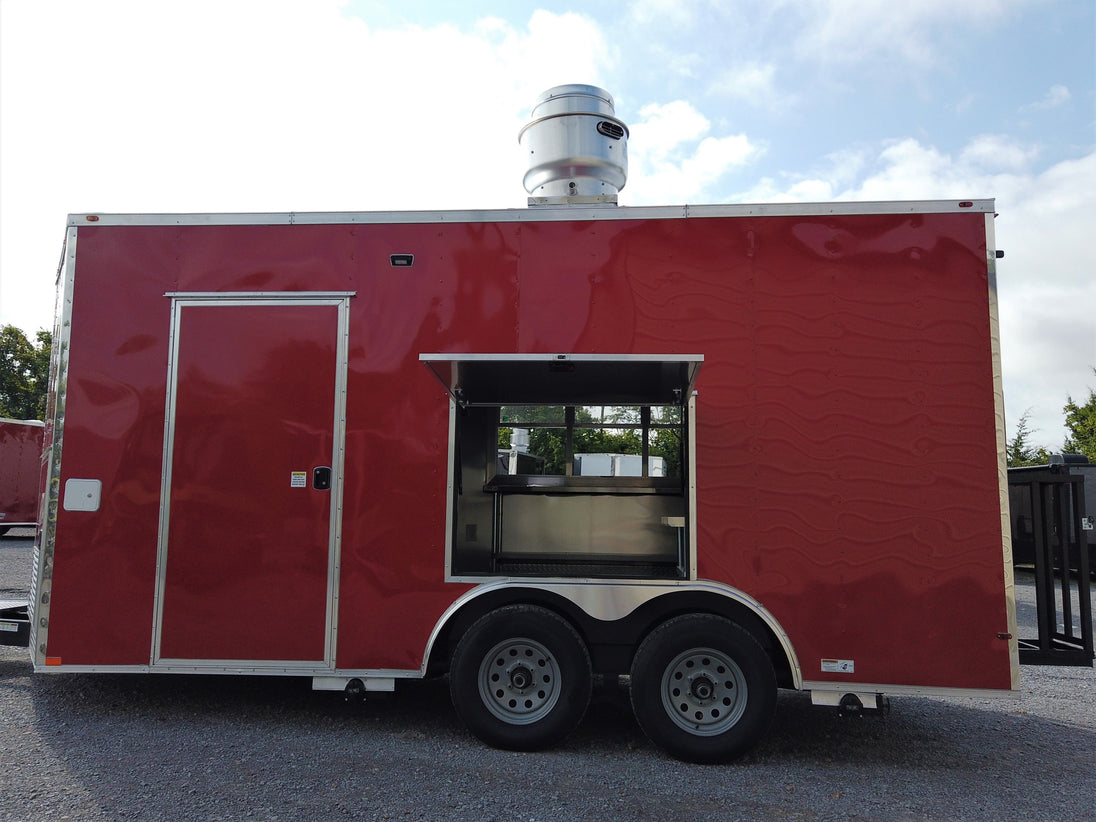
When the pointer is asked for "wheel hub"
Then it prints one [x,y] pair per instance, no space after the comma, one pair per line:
[519,681]
[704,691]
[521,678]
[702,688]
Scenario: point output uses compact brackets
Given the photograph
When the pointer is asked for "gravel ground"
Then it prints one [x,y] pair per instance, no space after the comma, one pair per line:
[107,747]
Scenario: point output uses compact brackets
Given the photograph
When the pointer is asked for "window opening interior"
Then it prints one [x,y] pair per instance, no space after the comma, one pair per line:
[569,465]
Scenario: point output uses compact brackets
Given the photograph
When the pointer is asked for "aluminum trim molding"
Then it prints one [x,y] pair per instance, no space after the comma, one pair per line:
[544,213]
[904,690]
[46,540]
[338,463]
[229,667]
[282,297]
[1002,456]
[690,436]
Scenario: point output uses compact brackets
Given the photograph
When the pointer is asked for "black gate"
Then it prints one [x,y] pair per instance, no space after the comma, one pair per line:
[1050,530]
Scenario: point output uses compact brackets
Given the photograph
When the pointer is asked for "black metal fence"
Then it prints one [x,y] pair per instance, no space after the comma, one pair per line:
[1050,530]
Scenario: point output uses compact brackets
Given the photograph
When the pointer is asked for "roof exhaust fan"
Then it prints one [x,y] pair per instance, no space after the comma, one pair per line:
[576,147]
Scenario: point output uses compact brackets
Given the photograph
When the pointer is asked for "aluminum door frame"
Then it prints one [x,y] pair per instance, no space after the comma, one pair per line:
[179,301]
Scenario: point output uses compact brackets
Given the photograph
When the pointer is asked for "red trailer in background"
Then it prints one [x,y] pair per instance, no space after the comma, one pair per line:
[344,446]
[20,472]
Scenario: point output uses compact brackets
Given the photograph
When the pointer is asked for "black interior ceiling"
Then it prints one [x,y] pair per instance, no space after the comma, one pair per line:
[566,379]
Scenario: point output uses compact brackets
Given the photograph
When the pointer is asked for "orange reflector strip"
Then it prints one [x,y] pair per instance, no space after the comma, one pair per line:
[92,218]
[53,660]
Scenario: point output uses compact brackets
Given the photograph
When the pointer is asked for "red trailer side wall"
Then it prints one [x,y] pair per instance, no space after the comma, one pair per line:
[20,471]
[846,435]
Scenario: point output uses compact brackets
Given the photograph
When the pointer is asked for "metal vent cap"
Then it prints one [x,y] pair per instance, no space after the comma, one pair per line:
[576,147]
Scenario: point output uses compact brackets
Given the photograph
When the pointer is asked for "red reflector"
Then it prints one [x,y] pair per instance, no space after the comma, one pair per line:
[1004,635]
[966,204]
[53,660]
[91,218]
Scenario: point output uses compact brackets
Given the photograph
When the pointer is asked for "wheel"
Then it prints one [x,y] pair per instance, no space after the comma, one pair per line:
[703,688]
[520,678]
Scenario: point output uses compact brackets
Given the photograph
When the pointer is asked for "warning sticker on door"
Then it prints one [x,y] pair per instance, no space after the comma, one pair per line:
[838,666]
[298,479]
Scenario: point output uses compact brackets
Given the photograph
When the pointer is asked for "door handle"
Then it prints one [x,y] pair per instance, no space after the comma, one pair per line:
[321,478]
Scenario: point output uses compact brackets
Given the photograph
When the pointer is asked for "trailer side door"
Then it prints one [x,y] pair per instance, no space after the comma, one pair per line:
[247,563]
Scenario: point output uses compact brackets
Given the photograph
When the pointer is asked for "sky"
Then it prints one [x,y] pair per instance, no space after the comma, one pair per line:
[362,105]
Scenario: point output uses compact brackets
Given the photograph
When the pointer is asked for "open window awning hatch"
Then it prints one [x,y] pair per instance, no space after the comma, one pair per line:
[566,379]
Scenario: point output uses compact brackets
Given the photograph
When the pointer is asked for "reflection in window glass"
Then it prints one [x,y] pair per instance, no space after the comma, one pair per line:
[600,441]
[665,444]
[608,414]
[666,415]
[527,415]
[539,450]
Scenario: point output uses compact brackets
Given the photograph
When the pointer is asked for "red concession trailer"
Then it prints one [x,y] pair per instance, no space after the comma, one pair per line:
[20,472]
[277,443]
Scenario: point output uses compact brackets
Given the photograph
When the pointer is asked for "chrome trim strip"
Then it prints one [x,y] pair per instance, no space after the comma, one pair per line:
[31,423]
[607,358]
[240,665]
[217,667]
[450,489]
[539,214]
[165,480]
[1002,455]
[904,690]
[281,296]
[691,446]
[338,469]
[46,541]
[92,669]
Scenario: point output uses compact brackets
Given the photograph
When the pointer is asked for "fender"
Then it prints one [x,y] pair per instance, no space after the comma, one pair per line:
[610,600]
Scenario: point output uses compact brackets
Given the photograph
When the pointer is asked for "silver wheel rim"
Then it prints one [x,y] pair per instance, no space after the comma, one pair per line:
[519,681]
[704,691]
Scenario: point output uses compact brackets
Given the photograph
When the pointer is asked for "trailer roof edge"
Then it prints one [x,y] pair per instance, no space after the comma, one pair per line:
[539,214]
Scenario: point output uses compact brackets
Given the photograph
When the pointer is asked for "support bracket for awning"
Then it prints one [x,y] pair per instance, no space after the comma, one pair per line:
[566,379]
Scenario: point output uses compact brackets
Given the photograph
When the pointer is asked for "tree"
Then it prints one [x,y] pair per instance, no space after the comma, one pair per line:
[1081,422]
[1019,449]
[24,373]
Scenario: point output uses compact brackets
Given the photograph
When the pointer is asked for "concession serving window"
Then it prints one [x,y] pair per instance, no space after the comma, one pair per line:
[570,465]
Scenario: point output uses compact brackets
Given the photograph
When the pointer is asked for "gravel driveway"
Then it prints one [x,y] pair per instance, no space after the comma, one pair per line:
[110,747]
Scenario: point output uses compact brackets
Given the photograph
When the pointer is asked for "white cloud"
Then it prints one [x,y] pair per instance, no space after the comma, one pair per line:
[962,105]
[917,33]
[662,13]
[753,83]
[674,160]
[997,153]
[663,128]
[1056,96]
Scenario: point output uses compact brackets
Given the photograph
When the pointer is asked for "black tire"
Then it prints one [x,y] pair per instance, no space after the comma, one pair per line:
[520,678]
[703,688]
